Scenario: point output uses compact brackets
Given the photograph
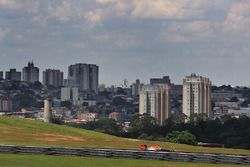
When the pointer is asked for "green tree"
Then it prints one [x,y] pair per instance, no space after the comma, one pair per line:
[184,137]
[143,124]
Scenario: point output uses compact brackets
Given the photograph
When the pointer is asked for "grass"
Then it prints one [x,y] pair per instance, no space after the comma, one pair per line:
[12,160]
[14,131]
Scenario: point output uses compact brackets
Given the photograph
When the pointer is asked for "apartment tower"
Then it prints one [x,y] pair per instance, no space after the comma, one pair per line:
[53,77]
[31,73]
[196,95]
[84,76]
[155,101]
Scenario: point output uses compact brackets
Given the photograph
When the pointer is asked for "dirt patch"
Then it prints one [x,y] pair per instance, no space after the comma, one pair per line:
[6,127]
[133,140]
[58,137]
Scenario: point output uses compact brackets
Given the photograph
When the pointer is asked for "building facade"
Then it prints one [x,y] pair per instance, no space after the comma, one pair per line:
[135,88]
[163,80]
[196,96]
[84,76]
[6,105]
[155,101]
[69,94]
[53,77]
[31,73]
[13,75]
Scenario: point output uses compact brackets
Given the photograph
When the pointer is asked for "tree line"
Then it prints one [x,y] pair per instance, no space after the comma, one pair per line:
[231,132]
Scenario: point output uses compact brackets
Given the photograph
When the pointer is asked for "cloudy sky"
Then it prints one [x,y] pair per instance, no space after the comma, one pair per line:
[130,38]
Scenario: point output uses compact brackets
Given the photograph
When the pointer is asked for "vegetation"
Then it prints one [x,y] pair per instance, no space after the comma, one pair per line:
[104,125]
[184,137]
[229,131]
[25,100]
[11,160]
[15,131]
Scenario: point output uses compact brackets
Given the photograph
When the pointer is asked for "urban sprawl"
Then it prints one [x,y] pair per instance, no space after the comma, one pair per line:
[80,98]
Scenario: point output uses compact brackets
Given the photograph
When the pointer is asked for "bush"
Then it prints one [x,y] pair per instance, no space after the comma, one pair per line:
[184,137]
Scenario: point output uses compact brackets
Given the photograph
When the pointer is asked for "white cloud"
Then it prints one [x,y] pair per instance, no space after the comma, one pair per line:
[238,18]
[10,3]
[167,9]
[63,12]
[93,17]
[107,10]
[105,1]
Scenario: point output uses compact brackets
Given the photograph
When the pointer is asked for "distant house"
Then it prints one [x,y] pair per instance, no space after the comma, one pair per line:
[116,116]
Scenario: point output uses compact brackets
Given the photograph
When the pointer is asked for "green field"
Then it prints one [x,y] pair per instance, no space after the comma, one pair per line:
[12,160]
[15,131]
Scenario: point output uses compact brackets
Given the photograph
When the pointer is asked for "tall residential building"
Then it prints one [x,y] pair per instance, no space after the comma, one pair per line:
[135,87]
[84,76]
[155,101]
[69,94]
[13,75]
[1,74]
[31,73]
[53,77]
[164,80]
[196,95]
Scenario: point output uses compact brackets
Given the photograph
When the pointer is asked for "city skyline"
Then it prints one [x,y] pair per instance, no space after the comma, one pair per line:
[129,39]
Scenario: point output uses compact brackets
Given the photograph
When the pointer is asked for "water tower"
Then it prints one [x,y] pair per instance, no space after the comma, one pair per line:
[47,111]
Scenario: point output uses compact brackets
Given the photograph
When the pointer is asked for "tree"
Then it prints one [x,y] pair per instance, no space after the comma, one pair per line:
[196,118]
[24,100]
[184,137]
[143,124]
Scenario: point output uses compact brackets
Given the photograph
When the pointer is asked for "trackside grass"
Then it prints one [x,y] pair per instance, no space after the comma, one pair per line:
[12,160]
[14,131]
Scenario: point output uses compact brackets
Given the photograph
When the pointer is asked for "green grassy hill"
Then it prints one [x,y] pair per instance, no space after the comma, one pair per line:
[15,131]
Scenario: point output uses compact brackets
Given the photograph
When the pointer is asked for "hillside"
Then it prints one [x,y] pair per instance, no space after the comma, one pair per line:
[15,131]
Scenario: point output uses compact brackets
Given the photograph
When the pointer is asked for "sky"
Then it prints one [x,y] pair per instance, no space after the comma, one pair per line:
[130,39]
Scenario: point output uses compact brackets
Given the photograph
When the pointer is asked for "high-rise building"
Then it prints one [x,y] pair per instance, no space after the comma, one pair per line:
[84,76]
[155,101]
[1,74]
[13,75]
[69,94]
[135,87]
[31,73]
[53,77]
[196,95]
[164,80]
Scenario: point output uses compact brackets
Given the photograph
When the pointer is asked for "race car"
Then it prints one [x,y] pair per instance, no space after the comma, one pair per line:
[153,148]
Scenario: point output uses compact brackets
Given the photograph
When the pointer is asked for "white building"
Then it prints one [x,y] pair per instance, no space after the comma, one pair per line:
[196,95]
[155,101]
[240,112]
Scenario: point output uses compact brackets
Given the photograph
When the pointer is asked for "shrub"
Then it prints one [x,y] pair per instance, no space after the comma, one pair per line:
[183,137]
